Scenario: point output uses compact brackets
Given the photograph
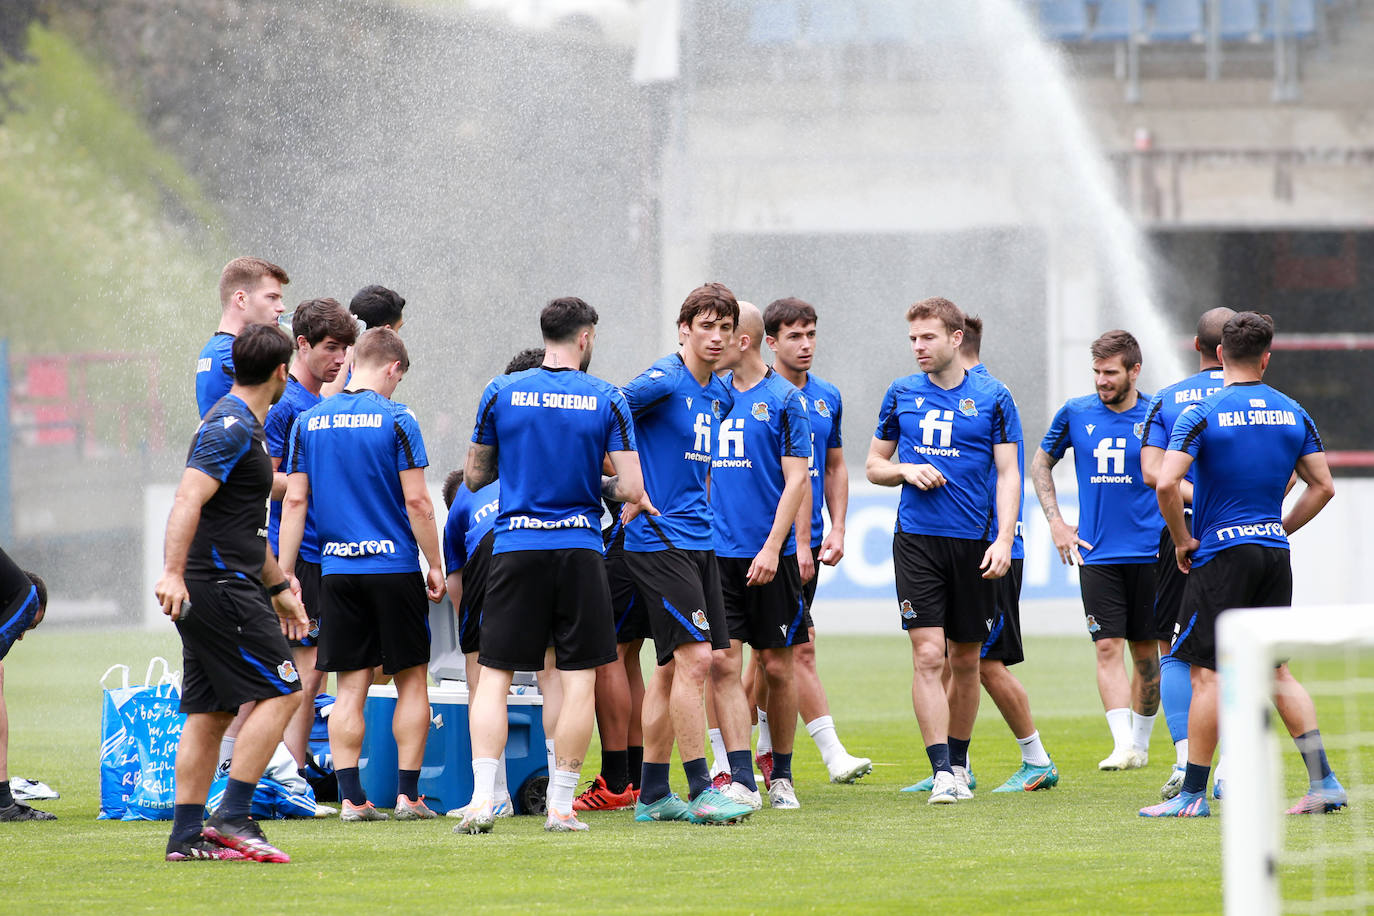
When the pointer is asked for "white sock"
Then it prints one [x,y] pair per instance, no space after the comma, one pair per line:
[765,736]
[822,731]
[561,791]
[1141,727]
[484,777]
[1181,753]
[501,789]
[718,755]
[1032,751]
[1119,721]
[226,749]
[548,752]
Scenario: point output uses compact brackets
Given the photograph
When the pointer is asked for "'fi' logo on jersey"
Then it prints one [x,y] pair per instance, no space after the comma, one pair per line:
[699,618]
[908,612]
[822,408]
[1139,430]
[287,671]
[967,409]
[759,411]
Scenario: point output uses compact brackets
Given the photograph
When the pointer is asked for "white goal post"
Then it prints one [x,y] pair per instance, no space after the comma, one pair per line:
[1249,643]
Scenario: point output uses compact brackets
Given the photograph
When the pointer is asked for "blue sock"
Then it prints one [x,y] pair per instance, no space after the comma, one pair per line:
[351,785]
[1195,778]
[782,765]
[1175,694]
[958,752]
[742,769]
[698,776]
[1313,754]
[653,782]
[939,757]
[186,821]
[237,801]
[408,784]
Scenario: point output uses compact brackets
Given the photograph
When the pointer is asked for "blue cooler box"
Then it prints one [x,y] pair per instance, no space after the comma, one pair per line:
[446,772]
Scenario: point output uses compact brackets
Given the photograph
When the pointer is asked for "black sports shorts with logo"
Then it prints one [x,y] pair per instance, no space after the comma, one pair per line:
[534,596]
[681,593]
[809,596]
[939,584]
[373,619]
[309,574]
[232,647]
[1244,576]
[629,610]
[1004,637]
[476,574]
[1119,600]
[768,616]
[1169,583]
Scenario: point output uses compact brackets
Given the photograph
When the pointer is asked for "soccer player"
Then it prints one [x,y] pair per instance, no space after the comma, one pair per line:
[23,602]
[218,575]
[378,307]
[359,460]
[678,406]
[324,331]
[947,429]
[249,293]
[548,576]
[1175,683]
[759,479]
[1113,543]
[1245,442]
[790,332]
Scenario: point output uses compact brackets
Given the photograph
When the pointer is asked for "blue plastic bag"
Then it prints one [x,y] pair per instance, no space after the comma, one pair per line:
[271,799]
[140,730]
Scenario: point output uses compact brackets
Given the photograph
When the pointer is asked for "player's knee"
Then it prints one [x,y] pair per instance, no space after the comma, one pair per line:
[695,662]
[778,663]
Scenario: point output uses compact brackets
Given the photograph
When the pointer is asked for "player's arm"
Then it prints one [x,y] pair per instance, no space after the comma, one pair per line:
[293,507]
[997,558]
[193,492]
[805,562]
[796,479]
[1066,540]
[835,486]
[285,601]
[1151,460]
[883,471]
[1316,474]
[454,583]
[479,469]
[420,511]
[1169,492]
[627,486]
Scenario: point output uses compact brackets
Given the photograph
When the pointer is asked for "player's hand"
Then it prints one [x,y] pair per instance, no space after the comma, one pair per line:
[832,548]
[1067,542]
[922,476]
[291,615]
[172,595]
[763,569]
[806,563]
[435,585]
[1184,554]
[996,560]
[295,585]
[631,511]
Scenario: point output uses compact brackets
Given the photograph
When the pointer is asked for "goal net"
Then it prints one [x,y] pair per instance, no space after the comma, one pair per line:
[1273,862]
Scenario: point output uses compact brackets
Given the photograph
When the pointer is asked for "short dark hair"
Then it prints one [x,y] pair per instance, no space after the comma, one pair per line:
[380,346]
[528,358]
[972,344]
[789,310]
[1117,343]
[452,482]
[947,312]
[377,306]
[1209,327]
[316,319]
[246,274]
[714,299]
[41,587]
[562,319]
[258,350]
[1246,336]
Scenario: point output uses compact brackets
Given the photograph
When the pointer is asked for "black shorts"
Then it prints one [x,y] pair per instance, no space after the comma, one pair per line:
[476,573]
[534,596]
[1244,576]
[1004,638]
[1119,600]
[681,592]
[809,598]
[309,575]
[765,616]
[939,584]
[373,619]
[232,647]
[1169,584]
[628,609]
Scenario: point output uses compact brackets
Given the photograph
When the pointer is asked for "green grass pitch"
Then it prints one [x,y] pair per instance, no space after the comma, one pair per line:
[859,849]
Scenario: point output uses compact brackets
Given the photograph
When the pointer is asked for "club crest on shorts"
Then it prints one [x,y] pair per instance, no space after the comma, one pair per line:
[1093,625]
[759,411]
[822,408]
[699,618]
[1139,430]
[967,409]
[287,671]
[908,612]
[314,631]
[715,409]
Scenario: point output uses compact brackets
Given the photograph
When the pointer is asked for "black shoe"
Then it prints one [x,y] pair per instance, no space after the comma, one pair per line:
[198,847]
[22,812]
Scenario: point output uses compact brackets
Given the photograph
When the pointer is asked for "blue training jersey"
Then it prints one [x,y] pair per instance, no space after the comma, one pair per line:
[825,410]
[1169,402]
[1117,513]
[471,518]
[214,371]
[353,446]
[552,429]
[675,421]
[954,430]
[1018,544]
[277,429]
[1245,441]
[767,423]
